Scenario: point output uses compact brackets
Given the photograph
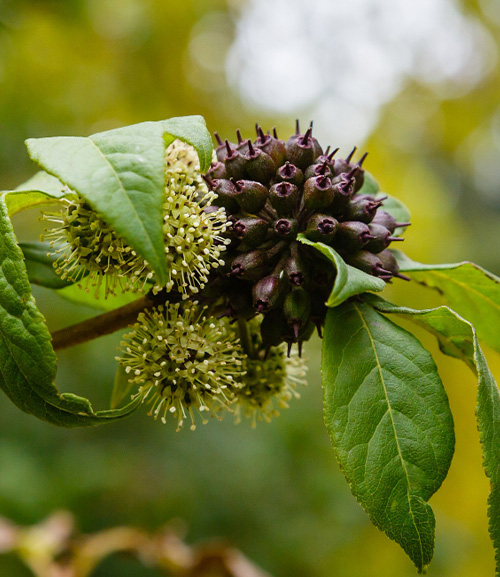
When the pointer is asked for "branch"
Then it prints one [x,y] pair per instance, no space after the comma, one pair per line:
[54,548]
[107,323]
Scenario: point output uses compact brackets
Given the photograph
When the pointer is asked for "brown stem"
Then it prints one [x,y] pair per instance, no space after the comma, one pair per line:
[106,323]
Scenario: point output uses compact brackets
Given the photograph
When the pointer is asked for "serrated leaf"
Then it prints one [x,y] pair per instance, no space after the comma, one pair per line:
[457,338]
[28,366]
[349,280]
[121,173]
[389,421]
[39,262]
[467,288]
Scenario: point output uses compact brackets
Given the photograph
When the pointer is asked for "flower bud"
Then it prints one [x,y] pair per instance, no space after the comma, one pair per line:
[259,166]
[352,235]
[385,219]
[268,293]
[296,308]
[327,158]
[346,166]
[319,169]
[217,170]
[222,148]
[322,277]
[390,263]
[249,265]
[304,334]
[299,150]
[242,146]
[295,268]
[272,146]
[362,208]
[321,228]
[369,263]
[226,193]
[252,231]
[343,191]
[235,163]
[290,173]
[381,238]
[286,228]
[318,311]
[318,192]
[284,197]
[250,195]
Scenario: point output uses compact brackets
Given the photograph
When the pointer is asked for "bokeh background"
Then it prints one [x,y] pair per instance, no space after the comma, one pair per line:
[417,84]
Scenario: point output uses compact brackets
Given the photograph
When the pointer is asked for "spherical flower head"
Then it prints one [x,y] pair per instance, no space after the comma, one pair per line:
[91,251]
[270,382]
[193,233]
[181,158]
[182,361]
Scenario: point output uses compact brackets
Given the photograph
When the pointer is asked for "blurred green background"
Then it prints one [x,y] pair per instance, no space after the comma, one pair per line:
[419,88]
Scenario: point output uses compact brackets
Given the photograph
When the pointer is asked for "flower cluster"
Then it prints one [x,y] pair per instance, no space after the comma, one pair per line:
[274,190]
[181,360]
[192,230]
[88,248]
[271,379]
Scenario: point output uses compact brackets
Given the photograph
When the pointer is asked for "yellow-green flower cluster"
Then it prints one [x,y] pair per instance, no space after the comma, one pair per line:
[271,380]
[193,241]
[182,361]
[90,249]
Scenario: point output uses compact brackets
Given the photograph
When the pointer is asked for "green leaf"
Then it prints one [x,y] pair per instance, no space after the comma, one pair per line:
[389,421]
[28,366]
[40,189]
[39,262]
[457,338]
[193,130]
[46,183]
[121,173]
[370,185]
[467,288]
[349,281]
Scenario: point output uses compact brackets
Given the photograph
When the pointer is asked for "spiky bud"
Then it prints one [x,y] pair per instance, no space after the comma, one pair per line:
[250,230]
[352,235]
[321,228]
[259,165]
[268,293]
[250,195]
[290,173]
[318,192]
[284,197]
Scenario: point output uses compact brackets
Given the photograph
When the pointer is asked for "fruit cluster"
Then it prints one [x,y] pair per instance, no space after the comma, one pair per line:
[273,190]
